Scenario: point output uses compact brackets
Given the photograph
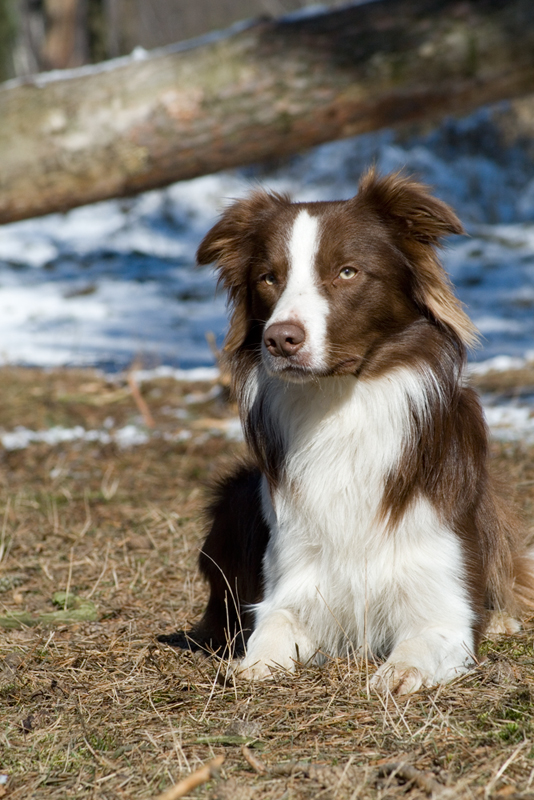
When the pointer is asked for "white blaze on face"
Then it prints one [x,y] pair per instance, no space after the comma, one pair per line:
[302,301]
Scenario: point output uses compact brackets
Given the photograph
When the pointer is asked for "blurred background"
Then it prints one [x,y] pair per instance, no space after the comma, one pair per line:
[40,35]
[115,282]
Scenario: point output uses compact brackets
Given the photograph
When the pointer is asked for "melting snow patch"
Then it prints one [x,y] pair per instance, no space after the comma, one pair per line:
[22,437]
[497,364]
[511,423]
[128,436]
[194,374]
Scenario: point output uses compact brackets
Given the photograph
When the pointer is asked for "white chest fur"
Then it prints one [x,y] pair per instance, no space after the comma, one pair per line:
[336,578]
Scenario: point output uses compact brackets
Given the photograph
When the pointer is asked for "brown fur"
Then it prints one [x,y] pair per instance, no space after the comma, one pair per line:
[421,221]
[230,561]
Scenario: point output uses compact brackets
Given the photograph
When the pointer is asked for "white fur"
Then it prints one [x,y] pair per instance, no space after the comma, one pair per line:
[338,578]
[301,300]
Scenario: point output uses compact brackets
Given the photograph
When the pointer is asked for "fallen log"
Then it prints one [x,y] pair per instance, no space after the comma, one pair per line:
[266,89]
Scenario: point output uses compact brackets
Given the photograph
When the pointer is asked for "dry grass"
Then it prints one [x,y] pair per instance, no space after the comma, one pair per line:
[101,710]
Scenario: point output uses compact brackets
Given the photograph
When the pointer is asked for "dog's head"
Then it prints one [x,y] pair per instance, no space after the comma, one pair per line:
[321,288]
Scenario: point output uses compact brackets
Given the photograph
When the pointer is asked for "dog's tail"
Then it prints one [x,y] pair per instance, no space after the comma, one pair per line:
[511,569]
[523,586]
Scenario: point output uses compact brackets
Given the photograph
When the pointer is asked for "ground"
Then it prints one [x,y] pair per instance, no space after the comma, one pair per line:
[92,706]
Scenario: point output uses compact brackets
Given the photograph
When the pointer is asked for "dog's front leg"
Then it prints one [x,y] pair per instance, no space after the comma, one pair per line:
[279,641]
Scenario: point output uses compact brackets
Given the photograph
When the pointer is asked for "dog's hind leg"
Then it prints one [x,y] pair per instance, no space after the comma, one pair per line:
[231,561]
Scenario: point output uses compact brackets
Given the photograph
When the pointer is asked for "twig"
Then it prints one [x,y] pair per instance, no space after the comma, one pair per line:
[257,765]
[99,758]
[88,519]
[140,401]
[104,568]
[291,767]
[68,580]
[210,338]
[500,772]
[224,373]
[285,768]
[406,773]
[196,778]
[4,547]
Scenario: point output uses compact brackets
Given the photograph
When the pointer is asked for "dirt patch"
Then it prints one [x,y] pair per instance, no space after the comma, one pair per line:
[99,709]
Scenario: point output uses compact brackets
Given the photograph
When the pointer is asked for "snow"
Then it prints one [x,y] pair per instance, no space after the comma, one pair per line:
[499,364]
[115,283]
[21,437]
[130,435]
[511,422]
[198,374]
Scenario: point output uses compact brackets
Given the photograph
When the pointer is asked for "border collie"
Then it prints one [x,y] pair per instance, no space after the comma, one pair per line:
[365,519]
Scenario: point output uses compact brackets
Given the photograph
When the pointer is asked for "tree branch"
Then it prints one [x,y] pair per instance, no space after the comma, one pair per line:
[261,90]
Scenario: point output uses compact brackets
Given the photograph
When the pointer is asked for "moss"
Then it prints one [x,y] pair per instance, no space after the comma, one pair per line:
[512,647]
[102,742]
[511,732]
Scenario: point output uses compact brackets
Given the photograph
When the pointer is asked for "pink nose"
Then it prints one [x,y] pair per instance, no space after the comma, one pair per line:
[284,339]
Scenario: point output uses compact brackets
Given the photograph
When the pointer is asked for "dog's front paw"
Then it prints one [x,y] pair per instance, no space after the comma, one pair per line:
[259,671]
[438,655]
[279,642]
[399,679]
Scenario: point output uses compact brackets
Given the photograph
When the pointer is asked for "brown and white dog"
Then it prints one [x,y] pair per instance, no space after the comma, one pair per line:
[366,519]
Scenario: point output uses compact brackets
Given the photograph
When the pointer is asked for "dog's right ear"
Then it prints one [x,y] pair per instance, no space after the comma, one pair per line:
[231,245]
[228,244]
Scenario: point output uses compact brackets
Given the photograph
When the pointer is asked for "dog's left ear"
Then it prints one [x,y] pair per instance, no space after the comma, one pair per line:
[419,222]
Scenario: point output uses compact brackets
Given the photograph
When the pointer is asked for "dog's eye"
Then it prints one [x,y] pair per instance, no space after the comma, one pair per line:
[348,272]
[269,279]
